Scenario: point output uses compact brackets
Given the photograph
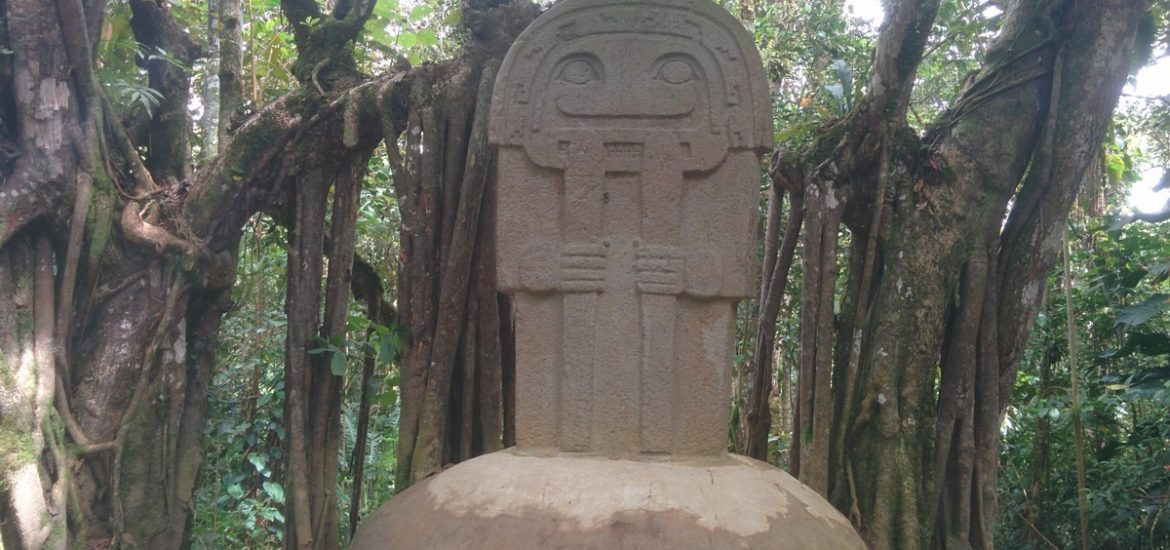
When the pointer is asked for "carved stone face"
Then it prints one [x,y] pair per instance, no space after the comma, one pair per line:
[659,70]
[602,84]
[626,92]
[629,135]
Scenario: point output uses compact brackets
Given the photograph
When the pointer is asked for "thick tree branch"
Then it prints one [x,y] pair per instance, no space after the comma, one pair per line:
[171,54]
[298,13]
[231,66]
[1153,217]
[899,53]
[325,44]
[40,100]
[354,13]
[1095,49]
[140,232]
[75,33]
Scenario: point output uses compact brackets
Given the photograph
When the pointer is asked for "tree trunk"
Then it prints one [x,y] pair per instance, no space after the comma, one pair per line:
[116,268]
[777,263]
[231,66]
[937,281]
[452,375]
[209,123]
[445,192]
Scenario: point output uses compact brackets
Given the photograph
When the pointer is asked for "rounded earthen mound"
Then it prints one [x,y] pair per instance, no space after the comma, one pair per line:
[509,500]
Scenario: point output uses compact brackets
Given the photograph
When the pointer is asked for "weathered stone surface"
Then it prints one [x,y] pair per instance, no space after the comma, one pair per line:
[510,501]
[629,137]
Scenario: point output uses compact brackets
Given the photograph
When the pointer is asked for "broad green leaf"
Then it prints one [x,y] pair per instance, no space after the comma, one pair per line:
[338,364]
[386,398]
[1150,344]
[1137,314]
[1150,383]
[427,37]
[387,349]
[453,18]
[420,11]
[385,8]
[376,29]
[275,491]
[1115,166]
[258,460]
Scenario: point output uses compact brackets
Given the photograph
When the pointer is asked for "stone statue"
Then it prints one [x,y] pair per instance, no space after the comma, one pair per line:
[629,141]
[629,135]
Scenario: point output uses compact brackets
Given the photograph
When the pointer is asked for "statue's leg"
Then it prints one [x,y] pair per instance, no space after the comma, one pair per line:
[659,268]
[582,278]
[658,280]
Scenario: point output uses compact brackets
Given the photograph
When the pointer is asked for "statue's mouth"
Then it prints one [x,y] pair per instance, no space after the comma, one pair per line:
[621,104]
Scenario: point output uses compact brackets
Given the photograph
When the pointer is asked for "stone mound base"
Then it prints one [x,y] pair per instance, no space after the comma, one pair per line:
[511,500]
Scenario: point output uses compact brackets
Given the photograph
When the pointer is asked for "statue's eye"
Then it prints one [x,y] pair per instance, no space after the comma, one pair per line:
[578,72]
[676,72]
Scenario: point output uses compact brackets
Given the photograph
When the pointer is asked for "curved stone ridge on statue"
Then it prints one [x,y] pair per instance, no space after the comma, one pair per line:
[629,134]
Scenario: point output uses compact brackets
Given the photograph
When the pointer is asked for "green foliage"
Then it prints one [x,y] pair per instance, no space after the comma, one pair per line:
[240,499]
[1138,314]
[335,349]
[268,54]
[379,219]
[1123,321]
[239,502]
[954,53]
[425,31]
[122,60]
[378,228]
[817,59]
[133,95]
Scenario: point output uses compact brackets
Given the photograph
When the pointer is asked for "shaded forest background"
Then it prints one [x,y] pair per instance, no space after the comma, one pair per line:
[232,159]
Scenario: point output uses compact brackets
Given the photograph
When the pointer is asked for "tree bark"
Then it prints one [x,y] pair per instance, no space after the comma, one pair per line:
[120,265]
[447,282]
[759,413]
[139,269]
[437,315]
[231,66]
[209,122]
[944,285]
